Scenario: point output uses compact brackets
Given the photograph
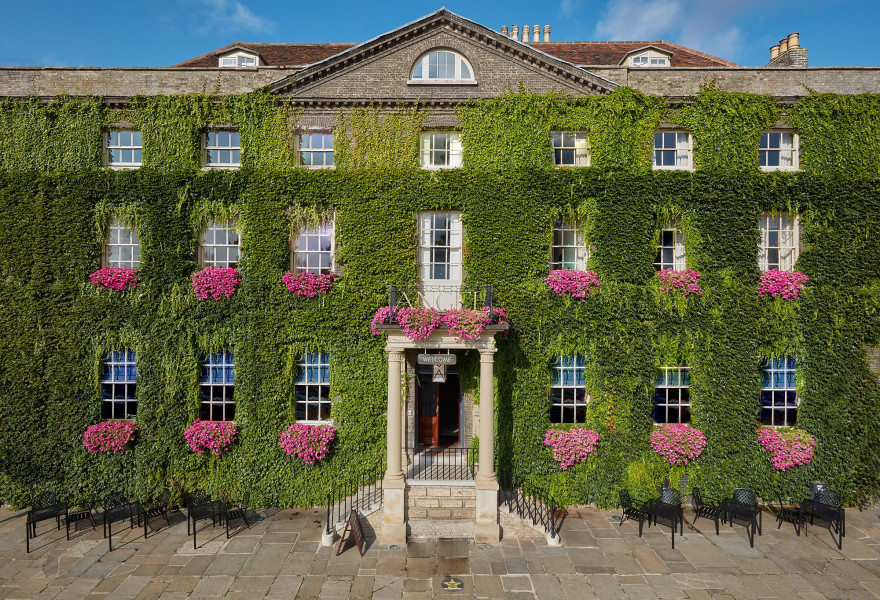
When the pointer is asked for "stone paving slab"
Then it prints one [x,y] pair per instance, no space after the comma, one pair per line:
[281,557]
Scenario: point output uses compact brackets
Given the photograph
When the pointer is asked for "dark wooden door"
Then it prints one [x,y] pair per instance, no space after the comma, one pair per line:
[429,416]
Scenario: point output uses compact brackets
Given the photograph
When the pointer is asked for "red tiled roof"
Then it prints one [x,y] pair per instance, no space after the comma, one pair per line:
[578,53]
[273,55]
[612,53]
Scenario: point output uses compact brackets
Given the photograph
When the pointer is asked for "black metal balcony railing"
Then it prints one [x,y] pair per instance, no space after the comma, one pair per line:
[443,298]
[360,493]
[441,464]
[530,502]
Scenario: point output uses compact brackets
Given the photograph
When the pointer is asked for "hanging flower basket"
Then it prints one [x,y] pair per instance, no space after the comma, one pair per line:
[117,279]
[110,437]
[215,283]
[571,446]
[679,444]
[688,281]
[417,323]
[785,284]
[310,443]
[468,324]
[309,284]
[576,284]
[213,436]
[788,447]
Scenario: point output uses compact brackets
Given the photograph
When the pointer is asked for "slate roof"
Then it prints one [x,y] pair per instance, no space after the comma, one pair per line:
[578,53]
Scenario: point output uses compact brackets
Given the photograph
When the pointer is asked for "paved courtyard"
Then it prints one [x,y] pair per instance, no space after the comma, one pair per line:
[281,557]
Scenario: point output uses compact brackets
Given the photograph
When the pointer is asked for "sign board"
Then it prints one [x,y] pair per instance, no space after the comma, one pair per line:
[357,532]
[436,359]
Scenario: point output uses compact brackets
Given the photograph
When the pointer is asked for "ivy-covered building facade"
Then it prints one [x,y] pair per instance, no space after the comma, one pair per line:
[613,237]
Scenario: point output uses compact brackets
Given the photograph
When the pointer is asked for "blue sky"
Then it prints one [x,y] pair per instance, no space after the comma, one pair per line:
[165,32]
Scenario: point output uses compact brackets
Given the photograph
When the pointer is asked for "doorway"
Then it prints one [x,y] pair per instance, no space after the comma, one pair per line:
[439,411]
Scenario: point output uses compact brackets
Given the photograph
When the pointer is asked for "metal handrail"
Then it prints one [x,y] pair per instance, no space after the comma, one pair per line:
[362,491]
[531,502]
[441,464]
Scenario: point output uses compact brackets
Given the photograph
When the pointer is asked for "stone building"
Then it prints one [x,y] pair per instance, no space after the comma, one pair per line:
[436,65]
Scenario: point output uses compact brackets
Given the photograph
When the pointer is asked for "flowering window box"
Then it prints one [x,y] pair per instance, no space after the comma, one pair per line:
[418,324]
[679,444]
[785,284]
[310,443]
[309,285]
[215,283]
[213,436]
[117,279]
[571,446]
[111,437]
[788,447]
[687,281]
[572,283]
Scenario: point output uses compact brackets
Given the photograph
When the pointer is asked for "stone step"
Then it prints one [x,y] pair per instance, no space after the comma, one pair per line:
[419,529]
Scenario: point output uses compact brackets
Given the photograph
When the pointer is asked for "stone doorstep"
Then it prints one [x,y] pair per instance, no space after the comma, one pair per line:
[437,528]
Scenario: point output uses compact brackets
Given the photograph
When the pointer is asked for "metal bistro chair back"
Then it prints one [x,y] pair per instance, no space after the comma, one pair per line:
[668,508]
[704,509]
[118,508]
[44,507]
[200,506]
[827,505]
[743,506]
[640,513]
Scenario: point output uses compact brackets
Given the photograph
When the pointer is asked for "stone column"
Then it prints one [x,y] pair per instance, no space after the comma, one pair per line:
[487,529]
[394,483]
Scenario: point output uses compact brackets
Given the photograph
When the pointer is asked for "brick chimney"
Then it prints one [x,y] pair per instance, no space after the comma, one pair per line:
[788,53]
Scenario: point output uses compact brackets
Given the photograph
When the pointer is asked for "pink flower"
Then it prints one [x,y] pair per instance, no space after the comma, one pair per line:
[309,284]
[788,447]
[688,281]
[787,284]
[568,282]
[310,443]
[572,446]
[679,444]
[115,278]
[215,436]
[215,282]
[109,436]
[419,323]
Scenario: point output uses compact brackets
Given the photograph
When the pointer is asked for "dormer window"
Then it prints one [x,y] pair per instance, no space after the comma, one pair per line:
[649,58]
[442,66]
[239,60]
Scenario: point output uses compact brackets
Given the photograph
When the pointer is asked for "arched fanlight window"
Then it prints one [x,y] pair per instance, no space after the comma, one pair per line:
[442,65]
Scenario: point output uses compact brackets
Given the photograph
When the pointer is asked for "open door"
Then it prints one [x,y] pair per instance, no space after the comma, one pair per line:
[429,415]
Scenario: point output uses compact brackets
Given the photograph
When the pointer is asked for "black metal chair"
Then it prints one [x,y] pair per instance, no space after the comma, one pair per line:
[44,507]
[150,510]
[118,508]
[199,506]
[788,510]
[234,512]
[826,505]
[705,509]
[72,517]
[668,508]
[743,507]
[640,513]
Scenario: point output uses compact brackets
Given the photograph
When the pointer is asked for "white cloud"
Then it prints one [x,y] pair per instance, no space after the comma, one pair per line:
[231,16]
[567,7]
[708,26]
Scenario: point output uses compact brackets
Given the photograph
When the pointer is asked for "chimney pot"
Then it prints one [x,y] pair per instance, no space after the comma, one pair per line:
[794,41]
[525,37]
[783,45]
[514,33]
[536,32]
[546,33]
[774,52]
[504,30]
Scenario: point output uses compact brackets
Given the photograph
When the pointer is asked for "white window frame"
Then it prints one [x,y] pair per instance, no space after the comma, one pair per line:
[568,240]
[765,147]
[463,71]
[119,385]
[209,239]
[570,143]
[683,149]
[126,240]
[429,148]
[306,148]
[304,240]
[311,381]
[136,149]
[231,148]
[239,60]
[216,364]
[675,394]
[676,248]
[649,58]
[441,293]
[787,246]
[779,396]
[568,392]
